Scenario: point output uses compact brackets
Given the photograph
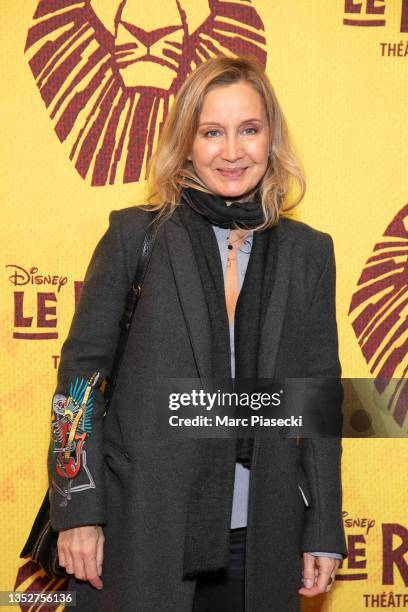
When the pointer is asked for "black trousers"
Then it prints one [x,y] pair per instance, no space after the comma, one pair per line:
[224,591]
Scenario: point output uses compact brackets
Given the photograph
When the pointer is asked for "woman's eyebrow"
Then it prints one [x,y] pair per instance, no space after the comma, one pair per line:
[254,119]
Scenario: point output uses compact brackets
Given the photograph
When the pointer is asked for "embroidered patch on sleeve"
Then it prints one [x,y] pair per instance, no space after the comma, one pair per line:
[70,427]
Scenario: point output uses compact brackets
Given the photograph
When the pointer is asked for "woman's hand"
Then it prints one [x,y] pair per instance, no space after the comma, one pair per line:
[318,574]
[80,551]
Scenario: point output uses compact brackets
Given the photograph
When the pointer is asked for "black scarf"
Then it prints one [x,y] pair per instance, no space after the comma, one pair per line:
[215,210]
[209,509]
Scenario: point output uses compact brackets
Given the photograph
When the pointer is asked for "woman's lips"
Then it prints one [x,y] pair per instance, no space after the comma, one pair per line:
[232,173]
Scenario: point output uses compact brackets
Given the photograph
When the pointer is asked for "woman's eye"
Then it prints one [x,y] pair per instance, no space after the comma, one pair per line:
[211,133]
[250,130]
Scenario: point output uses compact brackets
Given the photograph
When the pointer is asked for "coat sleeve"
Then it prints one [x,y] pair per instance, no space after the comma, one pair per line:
[75,454]
[321,457]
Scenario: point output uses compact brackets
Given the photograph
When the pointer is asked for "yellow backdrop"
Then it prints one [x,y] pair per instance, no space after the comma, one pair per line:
[76,139]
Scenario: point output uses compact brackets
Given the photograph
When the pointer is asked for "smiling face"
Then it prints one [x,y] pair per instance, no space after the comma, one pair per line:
[231,147]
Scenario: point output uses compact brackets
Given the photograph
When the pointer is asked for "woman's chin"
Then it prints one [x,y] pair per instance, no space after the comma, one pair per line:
[233,191]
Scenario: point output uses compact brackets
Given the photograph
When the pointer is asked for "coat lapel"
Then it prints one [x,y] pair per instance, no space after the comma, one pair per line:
[190,292]
[275,312]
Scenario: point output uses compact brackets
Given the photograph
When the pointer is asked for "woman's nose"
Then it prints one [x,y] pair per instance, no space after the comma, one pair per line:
[232,149]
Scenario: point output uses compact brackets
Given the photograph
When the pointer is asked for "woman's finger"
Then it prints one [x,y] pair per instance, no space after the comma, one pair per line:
[308,570]
[100,551]
[91,571]
[331,582]
[333,575]
[79,570]
[64,557]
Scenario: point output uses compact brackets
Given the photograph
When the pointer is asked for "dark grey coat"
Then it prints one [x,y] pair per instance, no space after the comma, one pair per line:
[142,481]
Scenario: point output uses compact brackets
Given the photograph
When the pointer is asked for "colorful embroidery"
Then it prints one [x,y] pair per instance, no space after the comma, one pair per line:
[71,426]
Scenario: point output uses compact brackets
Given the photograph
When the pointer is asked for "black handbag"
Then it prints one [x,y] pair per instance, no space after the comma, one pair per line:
[41,545]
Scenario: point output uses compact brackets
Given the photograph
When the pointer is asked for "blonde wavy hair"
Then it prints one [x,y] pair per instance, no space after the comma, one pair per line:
[170,170]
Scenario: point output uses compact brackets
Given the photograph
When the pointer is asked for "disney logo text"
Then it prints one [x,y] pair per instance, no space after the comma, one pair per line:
[21,276]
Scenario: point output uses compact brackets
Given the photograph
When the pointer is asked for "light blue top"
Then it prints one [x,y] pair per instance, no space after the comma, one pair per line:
[239,517]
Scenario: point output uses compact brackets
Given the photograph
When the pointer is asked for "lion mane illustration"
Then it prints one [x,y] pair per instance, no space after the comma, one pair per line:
[379,308]
[108,71]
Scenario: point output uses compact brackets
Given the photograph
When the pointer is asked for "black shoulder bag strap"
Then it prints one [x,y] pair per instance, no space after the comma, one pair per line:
[132,299]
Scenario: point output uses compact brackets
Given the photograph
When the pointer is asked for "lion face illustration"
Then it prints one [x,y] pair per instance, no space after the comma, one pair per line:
[108,71]
[379,308]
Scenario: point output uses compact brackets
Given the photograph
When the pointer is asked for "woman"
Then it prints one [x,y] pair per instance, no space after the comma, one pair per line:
[156,523]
